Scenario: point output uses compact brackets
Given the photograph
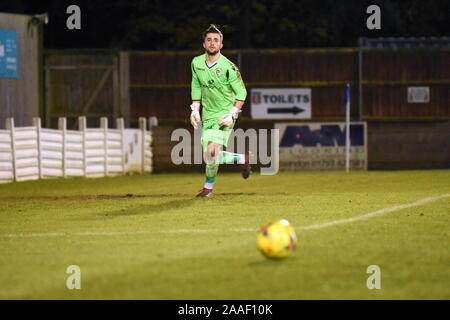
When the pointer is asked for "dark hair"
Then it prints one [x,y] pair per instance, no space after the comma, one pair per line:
[212,29]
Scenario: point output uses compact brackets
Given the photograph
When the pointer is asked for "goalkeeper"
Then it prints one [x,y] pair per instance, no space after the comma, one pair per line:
[218,86]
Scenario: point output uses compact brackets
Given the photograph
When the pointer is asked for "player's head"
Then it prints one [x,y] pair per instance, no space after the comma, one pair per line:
[212,40]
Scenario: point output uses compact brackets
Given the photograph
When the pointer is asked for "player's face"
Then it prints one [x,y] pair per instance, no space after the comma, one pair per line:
[212,43]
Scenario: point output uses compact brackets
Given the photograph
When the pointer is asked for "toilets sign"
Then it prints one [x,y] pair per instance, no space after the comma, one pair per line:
[281,103]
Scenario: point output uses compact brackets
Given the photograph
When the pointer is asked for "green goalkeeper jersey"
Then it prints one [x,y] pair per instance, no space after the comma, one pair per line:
[217,87]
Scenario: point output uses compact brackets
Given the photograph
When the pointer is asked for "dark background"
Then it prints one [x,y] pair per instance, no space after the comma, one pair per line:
[177,25]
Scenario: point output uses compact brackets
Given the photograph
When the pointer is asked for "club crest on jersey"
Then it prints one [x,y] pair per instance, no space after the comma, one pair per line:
[218,72]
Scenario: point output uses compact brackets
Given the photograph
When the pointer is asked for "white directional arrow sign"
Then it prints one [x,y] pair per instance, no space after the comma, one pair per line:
[281,103]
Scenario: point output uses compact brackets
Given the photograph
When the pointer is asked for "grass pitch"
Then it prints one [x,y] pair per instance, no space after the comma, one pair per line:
[147,237]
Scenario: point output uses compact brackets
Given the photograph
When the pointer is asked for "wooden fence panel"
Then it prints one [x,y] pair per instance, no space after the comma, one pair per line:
[390,102]
[160,82]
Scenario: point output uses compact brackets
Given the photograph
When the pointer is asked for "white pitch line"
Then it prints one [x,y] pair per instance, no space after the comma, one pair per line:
[311,227]
[32,235]
[375,213]
[187,231]
[106,233]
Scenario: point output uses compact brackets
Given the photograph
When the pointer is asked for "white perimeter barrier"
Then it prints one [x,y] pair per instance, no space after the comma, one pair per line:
[29,153]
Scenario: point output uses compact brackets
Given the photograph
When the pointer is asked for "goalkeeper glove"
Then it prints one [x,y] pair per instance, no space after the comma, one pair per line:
[228,119]
[195,115]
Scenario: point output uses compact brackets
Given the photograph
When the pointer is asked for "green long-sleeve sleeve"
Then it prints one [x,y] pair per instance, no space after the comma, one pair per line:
[196,90]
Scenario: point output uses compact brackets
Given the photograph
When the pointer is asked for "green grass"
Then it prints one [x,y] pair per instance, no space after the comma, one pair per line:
[162,243]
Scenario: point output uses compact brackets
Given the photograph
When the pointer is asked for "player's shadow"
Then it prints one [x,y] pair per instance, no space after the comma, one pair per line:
[233,194]
[148,209]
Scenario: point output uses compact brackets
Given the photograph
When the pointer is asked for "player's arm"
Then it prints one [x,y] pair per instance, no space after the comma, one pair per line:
[238,104]
[237,84]
[196,94]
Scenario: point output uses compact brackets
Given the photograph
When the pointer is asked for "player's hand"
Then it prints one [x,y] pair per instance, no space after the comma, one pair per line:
[227,120]
[195,115]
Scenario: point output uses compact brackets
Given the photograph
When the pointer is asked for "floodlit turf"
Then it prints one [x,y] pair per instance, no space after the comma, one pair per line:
[147,237]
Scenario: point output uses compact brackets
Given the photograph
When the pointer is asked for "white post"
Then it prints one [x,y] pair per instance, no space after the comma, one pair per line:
[143,127]
[10,127]
[153,122]
[104,126]
[82,128]
[37,124]
[347,131]
[120,126]
[62,125]
[366,160]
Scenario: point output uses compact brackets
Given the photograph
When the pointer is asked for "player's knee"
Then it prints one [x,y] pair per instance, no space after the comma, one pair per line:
[211,150]
[210,157]
[212,153]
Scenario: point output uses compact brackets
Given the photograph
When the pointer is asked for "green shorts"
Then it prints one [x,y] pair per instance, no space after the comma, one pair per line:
[212,132]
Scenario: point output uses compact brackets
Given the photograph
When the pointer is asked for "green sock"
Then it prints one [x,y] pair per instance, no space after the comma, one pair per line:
[229,157]
[211,172]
